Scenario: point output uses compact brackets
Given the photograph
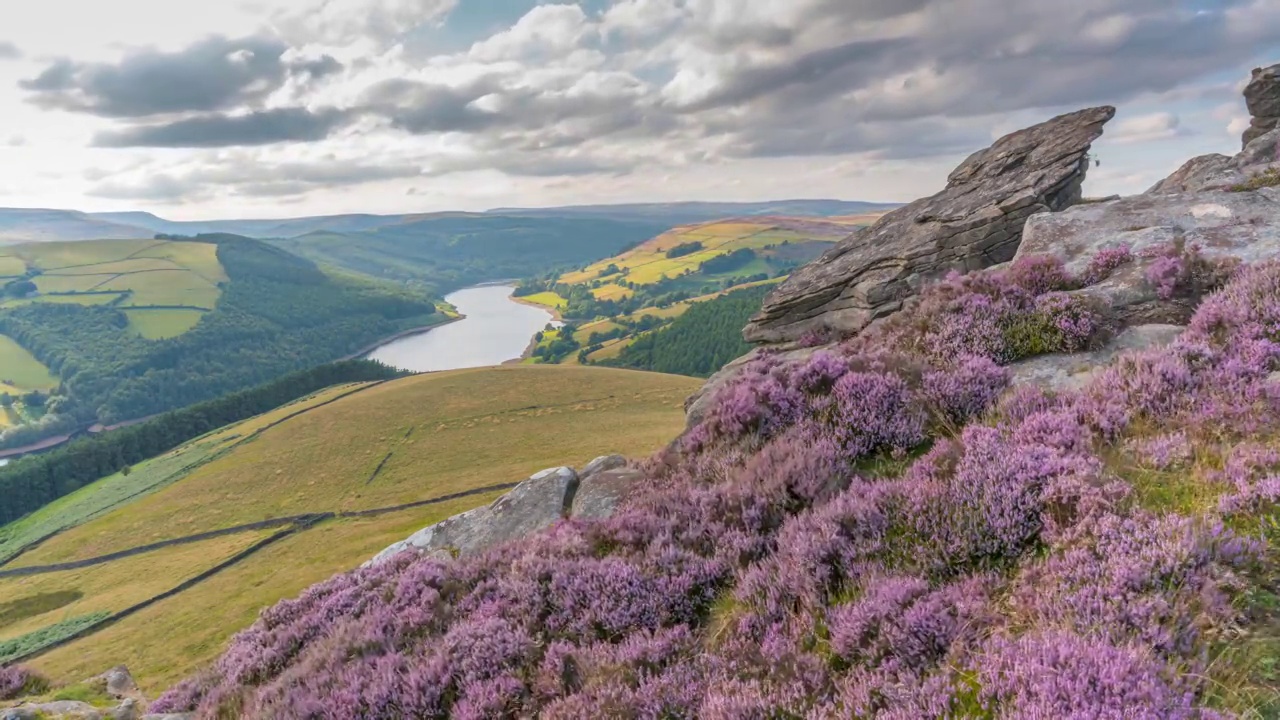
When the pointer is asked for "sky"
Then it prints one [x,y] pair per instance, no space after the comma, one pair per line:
[279,108]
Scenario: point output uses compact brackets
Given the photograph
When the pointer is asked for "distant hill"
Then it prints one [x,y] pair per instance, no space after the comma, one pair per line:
[42,225]
[20,225]
[684,213]
[449,251]
[352,448]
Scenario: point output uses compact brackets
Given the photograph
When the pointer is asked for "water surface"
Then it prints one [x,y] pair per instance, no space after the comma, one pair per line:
[496,329]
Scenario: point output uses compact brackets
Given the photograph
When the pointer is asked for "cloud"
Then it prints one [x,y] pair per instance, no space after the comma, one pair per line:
[214,74]
[256,128]
[1145,128]
[244,175]
[612,88]
[9,51]
[342,22]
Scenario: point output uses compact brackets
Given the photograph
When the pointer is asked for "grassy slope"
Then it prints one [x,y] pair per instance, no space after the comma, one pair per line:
[109,492]
[648,262]
[148,275]
[471,428]
[115,586]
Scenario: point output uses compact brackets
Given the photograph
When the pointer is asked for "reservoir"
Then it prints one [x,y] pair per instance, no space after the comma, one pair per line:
[495,329]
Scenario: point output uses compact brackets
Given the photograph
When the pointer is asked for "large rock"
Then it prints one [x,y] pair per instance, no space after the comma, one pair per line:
[1240,225]
[531,506]
[1262,96]
[600,493]
[974,223]
[58,709]
[1073,371]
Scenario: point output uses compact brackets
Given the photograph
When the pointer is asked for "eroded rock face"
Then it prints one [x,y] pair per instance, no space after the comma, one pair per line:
[1073,371]
[600,493]
[1262,95]
[974,223]
[1219,172]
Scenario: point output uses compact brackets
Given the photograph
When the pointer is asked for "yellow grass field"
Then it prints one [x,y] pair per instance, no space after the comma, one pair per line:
[440,433]
[113,586]
[11,265]
[549,299]
[20,372]
[172,639]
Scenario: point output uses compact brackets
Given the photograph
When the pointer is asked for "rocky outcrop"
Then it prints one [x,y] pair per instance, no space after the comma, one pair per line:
[1243,226]
[531,506]
[974,223]
[1262,96]
[1072,371]
[1261,145]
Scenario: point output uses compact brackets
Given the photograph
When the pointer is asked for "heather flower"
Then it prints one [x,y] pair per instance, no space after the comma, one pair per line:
[1060,675]
[1167,451]
[17,680]
[1104,263]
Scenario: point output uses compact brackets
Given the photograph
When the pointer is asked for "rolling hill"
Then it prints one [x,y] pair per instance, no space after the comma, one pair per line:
[134,328]
[611,302]
[366,450]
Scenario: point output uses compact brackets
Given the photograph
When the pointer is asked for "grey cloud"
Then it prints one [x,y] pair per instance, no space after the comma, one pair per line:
[214,74]
[258,128]
[245,175]
[9,51]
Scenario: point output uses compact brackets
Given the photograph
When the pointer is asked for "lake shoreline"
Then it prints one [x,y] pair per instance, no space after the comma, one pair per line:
[423,330]
[555,312]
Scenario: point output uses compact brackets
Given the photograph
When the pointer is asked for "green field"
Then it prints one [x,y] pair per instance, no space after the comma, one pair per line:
[136,273]
[439,433]
[157,324]
[20,372]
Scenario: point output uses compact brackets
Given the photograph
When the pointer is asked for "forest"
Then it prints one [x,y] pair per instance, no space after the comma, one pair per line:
[699,342]
[36,480]
[279,313]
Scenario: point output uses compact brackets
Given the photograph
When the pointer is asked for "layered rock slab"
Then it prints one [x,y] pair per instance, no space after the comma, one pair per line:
[974,223]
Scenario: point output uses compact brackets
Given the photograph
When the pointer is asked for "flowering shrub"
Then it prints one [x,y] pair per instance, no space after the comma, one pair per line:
[881,530]
[1104,263]
[16,681]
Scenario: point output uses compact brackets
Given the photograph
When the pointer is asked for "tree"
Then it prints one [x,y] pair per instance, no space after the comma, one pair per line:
[6,400]
[35,399]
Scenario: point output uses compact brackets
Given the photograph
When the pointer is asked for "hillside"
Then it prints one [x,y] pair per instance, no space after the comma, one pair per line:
[23,225]
[623,297]
[350,449]
[449,251]
[135,328]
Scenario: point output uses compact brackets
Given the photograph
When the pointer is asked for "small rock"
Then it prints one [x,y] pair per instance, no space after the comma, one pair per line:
[1073,371]
[118,683]
[600,493]
[601,464]
[19,713]
[130,709]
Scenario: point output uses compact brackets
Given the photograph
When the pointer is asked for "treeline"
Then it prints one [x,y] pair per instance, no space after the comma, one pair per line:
[279,313]
[700,341]
[35,481]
